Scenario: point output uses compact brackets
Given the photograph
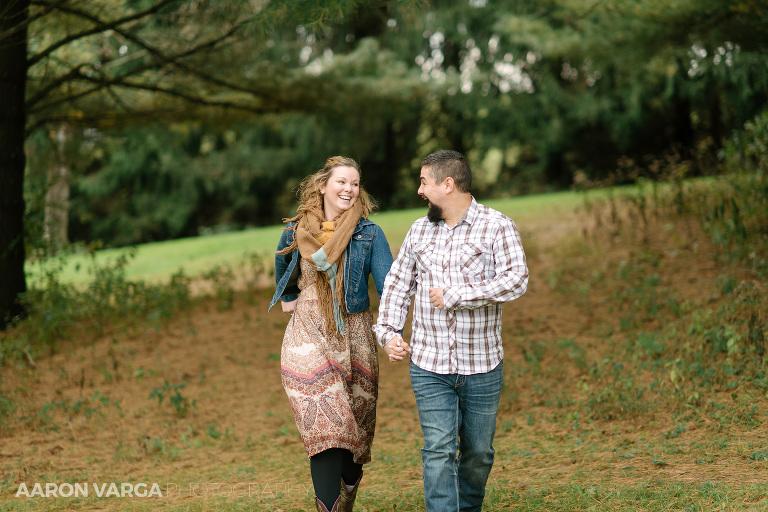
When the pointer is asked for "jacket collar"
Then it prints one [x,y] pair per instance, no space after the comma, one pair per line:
[363,223]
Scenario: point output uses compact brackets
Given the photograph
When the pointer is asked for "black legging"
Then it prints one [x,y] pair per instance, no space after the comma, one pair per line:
[328,468]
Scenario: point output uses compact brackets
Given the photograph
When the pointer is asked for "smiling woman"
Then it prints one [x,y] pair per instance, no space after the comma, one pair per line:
[340,191]
[328,360]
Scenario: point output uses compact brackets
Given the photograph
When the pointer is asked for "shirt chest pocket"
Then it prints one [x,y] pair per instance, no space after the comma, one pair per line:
[424,255]
[474,259]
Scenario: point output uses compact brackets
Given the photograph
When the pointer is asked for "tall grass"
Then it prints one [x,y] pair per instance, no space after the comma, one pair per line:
[59,310]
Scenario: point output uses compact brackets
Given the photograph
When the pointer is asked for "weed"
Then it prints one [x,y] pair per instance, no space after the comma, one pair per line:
[57,311]
[180,404]
[650,344]
[575,352]
[158,447]
[676,432]
[221,279]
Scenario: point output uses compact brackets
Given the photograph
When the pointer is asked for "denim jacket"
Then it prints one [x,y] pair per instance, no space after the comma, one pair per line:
[367,254]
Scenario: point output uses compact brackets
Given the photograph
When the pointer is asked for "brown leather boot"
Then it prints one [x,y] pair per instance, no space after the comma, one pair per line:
[347,497]
[322,508]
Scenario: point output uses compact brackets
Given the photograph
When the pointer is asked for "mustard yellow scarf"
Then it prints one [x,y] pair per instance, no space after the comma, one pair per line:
[323,243]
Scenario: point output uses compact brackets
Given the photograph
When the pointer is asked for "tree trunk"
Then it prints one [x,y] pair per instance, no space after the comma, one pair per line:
[57,196]
[13,77]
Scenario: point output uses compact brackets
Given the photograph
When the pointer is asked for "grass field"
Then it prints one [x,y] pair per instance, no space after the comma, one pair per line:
[635,376]
[195,256]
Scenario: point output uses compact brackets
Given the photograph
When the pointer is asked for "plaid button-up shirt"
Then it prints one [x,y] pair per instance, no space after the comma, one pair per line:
[480,264]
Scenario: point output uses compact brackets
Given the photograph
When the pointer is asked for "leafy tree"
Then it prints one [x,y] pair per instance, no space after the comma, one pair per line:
[536,91]
[125,61]
[218,176]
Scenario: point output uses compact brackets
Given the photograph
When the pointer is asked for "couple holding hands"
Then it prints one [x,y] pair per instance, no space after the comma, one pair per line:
[460,263]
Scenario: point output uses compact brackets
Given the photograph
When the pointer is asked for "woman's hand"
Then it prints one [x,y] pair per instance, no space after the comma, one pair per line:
[396,348]
[289,307]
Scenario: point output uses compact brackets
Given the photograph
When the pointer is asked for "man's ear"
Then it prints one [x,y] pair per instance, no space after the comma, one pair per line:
[449,185]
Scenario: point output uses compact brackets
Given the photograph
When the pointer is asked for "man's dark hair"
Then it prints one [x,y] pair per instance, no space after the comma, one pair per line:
[449,164]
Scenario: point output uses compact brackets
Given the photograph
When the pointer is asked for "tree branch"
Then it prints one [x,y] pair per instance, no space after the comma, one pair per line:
[96,30]
[104,84]
[160,57]
[67,99]
[132,115]
[189,97]
[48,7]
[70,75]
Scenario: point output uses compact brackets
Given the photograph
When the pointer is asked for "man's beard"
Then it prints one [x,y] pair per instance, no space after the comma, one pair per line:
[434,214]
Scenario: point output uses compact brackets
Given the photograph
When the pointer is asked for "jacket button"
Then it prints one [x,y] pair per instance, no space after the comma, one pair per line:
[359,237]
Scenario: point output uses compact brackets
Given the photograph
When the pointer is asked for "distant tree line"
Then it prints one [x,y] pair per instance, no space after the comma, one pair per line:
[534,92]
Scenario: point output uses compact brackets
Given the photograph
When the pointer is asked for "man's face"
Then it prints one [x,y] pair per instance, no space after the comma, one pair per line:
[433,193]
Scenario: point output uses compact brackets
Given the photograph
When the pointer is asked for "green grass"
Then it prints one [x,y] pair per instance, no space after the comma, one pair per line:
[157,261]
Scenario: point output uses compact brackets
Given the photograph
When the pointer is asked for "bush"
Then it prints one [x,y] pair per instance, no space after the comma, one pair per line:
[57,311]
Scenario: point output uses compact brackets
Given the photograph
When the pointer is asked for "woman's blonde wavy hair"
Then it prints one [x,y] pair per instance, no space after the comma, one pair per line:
[309,188]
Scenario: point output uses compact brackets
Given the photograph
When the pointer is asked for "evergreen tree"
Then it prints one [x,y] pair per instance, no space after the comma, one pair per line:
[124,61]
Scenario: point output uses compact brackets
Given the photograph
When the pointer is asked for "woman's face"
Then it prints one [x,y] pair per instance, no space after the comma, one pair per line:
[340,191]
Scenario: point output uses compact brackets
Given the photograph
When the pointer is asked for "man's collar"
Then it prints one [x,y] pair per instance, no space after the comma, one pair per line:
[471,213]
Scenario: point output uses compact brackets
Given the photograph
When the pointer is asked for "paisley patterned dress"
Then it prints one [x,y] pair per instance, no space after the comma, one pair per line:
[331,383]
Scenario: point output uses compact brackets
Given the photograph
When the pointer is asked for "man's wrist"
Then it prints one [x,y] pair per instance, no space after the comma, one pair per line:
[391,338]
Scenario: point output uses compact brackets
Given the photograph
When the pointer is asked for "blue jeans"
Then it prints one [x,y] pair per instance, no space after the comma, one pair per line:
[458,419]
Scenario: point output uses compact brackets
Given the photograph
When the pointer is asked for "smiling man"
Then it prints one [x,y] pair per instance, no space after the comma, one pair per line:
[461,263]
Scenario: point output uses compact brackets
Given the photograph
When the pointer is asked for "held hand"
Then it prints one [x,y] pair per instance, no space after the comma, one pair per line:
[396,348]
[436,296]
[288,307]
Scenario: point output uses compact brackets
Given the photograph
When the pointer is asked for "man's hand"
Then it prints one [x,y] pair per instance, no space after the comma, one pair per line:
[396,348]
[436,296]
[288,307]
